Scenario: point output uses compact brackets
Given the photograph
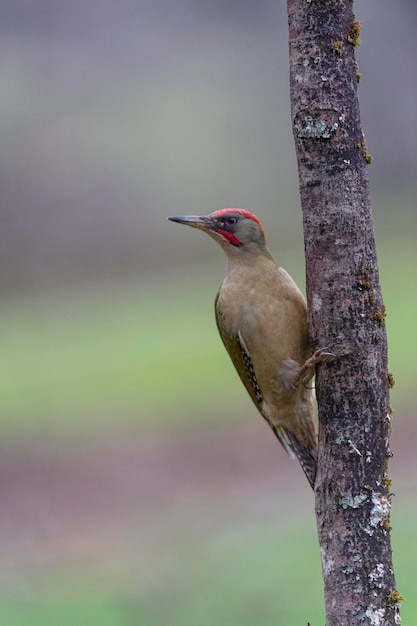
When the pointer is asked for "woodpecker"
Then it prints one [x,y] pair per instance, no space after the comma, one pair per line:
[261,316]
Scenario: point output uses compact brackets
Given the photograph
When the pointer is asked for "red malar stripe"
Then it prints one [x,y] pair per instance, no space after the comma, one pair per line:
[230,237]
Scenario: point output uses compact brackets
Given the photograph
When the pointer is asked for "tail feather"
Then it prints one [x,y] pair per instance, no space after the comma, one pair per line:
[306,455]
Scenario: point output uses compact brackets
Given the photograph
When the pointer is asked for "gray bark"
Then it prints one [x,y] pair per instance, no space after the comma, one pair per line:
[346,316]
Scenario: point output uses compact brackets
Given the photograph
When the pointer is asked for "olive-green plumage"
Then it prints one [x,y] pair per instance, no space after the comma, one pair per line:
[262,319]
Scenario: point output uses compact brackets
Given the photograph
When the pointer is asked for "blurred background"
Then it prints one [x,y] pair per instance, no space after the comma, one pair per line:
[138,486]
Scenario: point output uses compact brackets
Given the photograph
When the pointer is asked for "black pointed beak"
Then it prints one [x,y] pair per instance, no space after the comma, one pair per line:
[196,221]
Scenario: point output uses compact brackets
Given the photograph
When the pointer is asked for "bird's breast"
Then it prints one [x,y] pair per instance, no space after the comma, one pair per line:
[271,318]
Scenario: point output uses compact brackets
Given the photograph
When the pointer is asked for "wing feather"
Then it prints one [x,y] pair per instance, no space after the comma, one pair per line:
[241,359]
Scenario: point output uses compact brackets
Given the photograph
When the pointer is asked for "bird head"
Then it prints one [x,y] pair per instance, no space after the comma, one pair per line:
[233,229]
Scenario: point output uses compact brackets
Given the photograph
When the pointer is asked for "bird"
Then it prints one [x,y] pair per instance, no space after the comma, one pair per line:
[261,317]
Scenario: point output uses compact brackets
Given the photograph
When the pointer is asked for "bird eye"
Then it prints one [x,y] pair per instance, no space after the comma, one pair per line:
[231,221]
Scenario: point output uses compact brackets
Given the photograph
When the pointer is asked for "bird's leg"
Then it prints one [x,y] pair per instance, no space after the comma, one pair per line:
[307,371]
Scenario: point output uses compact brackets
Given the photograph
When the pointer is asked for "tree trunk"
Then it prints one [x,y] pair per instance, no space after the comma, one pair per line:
[346,316]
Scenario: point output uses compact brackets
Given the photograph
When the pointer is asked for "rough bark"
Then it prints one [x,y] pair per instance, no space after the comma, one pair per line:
[346,316]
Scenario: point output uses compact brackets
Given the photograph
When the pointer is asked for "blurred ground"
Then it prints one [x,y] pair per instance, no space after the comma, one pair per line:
[124,510]
[77,496]
[143,477]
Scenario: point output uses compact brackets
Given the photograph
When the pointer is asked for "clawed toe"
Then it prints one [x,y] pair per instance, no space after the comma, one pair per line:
[322,355]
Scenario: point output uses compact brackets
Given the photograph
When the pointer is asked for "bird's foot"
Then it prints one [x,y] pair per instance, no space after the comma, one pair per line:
[307,371]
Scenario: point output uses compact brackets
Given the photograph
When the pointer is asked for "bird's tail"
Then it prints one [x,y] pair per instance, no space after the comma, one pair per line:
[306,455]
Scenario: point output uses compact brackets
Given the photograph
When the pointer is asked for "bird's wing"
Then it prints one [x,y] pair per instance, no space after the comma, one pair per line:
[242,361]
